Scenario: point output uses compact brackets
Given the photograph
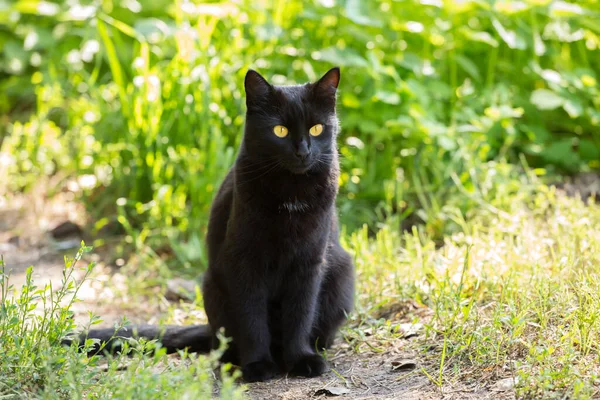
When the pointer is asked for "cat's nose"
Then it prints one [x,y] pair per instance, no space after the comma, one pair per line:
[302,152]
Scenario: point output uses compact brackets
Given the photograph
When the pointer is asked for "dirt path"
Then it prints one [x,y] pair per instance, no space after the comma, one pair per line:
[26,239]
[26,222]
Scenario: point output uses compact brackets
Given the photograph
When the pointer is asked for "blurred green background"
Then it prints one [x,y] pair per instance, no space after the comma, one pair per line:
[441,102]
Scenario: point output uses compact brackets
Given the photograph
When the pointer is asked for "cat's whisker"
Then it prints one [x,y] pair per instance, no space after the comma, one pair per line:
[260,162]
[273,168]
[252,171]
[248,169]
[324,160]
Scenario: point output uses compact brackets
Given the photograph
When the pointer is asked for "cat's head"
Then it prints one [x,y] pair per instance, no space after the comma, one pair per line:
[292,126]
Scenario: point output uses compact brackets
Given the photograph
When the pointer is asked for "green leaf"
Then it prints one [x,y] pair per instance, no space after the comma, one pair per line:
[367,126]
[469,67]
[545,99]
[344,58]
[121,26]
[350,100]
[588,150]
[573,106]
[537,133]
[388,97]
[591,24]
[356,11]
[446,143]
[412,62]
[561,9]
[511,38]
[115,65]
[560,152]
[152,29]
[479,36]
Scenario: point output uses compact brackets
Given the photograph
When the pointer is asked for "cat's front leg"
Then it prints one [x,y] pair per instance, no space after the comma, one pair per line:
[298,309]
[250,329]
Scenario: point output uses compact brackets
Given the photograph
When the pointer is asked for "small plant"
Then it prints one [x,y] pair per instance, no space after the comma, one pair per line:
[33,321]
[34,363]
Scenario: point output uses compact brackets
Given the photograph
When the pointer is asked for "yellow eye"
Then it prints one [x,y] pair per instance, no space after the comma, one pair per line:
[280,131]
[316,130]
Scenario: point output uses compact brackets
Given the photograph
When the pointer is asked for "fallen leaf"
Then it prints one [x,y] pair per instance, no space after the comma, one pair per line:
[410,330]
[504,385]
[332,391]
[404,364]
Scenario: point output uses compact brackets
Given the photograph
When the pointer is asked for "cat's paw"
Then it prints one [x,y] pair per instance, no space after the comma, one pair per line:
[310,365]
[259,371]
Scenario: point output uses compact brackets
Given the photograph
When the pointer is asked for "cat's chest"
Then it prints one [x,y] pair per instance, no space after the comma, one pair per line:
[293,233]
[294,205]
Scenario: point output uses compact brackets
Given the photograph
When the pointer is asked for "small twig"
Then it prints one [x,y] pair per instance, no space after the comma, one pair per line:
[381,384]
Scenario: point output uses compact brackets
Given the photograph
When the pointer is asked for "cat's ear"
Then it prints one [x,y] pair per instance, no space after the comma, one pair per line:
[257,88]
[326,87]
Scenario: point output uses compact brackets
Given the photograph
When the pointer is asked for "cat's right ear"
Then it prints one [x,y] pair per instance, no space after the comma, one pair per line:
[257,88]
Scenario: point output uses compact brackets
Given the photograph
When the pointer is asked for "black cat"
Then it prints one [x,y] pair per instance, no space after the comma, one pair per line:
[278,281]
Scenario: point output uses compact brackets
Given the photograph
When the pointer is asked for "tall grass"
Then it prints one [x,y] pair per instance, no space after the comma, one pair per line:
[147,99]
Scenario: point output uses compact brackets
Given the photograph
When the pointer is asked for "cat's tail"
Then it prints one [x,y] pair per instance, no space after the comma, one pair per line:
[194,338]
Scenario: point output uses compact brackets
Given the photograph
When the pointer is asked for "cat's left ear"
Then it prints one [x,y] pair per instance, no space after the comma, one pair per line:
[326,87]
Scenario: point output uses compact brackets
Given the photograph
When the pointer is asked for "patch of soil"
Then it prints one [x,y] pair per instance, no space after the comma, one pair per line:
[25,223]
[584,185]
[352,376]
[371,375]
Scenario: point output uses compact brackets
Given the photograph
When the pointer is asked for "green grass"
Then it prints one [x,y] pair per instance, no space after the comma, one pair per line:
[515,294]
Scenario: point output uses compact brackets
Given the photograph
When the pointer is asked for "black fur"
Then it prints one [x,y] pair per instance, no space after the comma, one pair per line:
[278,281]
